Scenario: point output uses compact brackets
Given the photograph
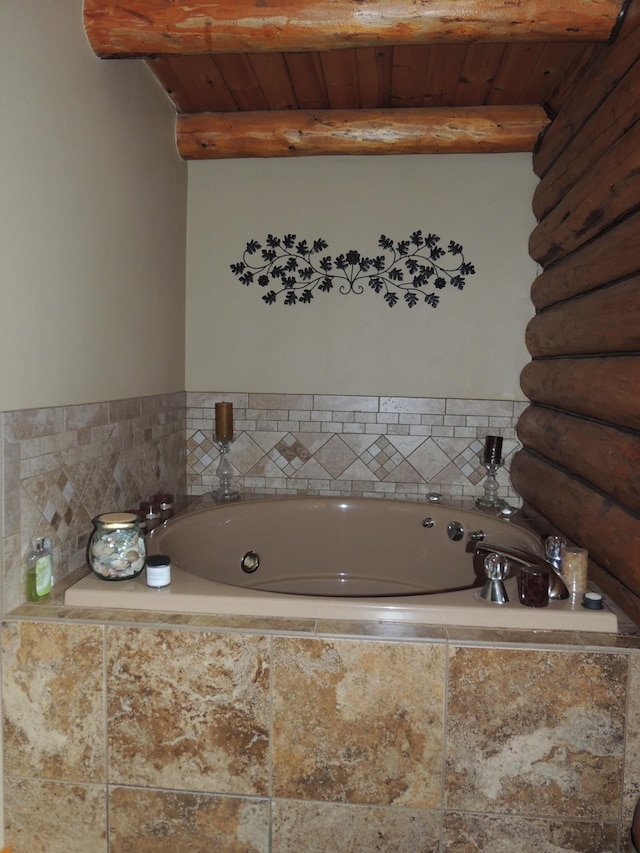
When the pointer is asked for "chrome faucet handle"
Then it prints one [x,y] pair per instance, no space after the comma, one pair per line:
[496,568]
[553,546]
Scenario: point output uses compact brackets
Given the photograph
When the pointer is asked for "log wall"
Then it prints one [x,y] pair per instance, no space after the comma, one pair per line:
[579,470]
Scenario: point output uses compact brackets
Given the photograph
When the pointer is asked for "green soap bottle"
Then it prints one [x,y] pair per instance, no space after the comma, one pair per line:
[39,570]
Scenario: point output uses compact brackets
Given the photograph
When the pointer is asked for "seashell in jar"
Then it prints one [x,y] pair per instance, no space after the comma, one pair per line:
[101,549]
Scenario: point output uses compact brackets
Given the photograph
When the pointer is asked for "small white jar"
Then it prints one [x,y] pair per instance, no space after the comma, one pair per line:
[158,571]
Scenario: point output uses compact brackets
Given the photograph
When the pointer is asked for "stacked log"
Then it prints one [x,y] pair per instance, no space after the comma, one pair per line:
[579,470]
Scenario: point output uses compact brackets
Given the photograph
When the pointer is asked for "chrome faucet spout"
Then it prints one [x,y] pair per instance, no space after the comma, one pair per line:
[557,587]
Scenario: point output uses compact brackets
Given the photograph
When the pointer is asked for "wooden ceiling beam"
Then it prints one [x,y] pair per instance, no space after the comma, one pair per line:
[296,133]
[147,27]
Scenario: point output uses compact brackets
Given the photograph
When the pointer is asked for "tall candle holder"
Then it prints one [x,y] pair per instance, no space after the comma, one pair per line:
[492,460]
[223,441]
[224,493]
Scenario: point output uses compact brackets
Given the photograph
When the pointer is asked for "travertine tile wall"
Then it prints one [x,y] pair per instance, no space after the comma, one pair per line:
[399,447]
[63,465]
[204,736]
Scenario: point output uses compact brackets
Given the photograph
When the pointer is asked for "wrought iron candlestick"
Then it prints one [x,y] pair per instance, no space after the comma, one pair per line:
[491,459]
[224,493]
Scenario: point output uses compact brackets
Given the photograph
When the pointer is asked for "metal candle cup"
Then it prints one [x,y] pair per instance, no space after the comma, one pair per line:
[224,422]
[492,450]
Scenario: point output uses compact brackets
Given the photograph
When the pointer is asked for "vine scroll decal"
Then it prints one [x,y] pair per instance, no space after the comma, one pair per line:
[416,269]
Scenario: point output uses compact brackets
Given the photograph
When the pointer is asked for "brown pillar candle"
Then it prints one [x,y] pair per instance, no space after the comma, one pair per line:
[492,450]
[224,421]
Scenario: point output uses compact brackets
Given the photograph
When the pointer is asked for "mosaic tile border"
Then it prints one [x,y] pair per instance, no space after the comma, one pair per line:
[402,447]
[63,465]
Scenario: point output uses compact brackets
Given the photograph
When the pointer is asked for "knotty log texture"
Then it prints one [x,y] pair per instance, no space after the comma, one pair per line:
[610,585]
[614,255]
[608,192]
[607,389]
[142,27]
[394,131]
[600,454]
[607,321]
[619,112]
[595,521]
[594,86]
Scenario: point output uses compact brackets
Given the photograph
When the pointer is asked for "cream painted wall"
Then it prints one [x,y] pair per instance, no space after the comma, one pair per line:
[471,346]
[92,218]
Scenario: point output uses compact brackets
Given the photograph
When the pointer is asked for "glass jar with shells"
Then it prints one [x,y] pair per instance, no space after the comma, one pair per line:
[117,550]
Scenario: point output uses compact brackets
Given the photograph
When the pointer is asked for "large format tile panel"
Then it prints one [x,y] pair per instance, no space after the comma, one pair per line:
[329,828]
[358,722]
[188,710]
[537,733]
[43,816]
[53,701]
[145,821]
[477,833]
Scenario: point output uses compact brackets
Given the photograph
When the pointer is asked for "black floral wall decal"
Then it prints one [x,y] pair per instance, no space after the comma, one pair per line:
[415,269]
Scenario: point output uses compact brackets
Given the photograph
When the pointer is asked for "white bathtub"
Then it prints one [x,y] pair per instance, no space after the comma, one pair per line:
[335,558]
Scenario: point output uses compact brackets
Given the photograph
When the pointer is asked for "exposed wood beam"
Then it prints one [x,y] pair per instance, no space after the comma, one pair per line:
[146,27]
[460,130]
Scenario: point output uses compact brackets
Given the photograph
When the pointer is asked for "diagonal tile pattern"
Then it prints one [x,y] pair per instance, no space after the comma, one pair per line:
[67,465]
[365,445]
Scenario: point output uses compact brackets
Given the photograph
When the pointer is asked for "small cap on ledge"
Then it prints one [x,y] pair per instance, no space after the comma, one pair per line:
[592,601]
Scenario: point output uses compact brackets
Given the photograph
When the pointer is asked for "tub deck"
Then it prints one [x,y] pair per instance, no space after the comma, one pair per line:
[191,594]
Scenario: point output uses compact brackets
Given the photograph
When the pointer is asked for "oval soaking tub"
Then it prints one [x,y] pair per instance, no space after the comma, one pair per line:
[336,558]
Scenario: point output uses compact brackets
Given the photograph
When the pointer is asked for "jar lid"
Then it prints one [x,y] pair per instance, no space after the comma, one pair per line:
[592,601]
[117,519]
[156,561]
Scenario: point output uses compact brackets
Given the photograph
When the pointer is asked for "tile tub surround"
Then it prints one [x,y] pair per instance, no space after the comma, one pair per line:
[399,447]
[280,735]
[63,465]
[60,466]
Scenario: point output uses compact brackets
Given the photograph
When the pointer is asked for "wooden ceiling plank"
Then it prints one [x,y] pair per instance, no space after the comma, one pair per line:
[307,79]
[163,68]
[341,79]
[198,81]
[237,73]
[513,73]
[374,76]
[444,68]
[273,76]
[144,27]
[338,132]
[553,62]
[408,74]
[478,72]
